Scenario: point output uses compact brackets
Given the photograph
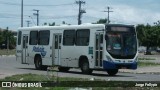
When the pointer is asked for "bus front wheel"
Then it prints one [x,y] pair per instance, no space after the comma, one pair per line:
[112,72]
[85,68]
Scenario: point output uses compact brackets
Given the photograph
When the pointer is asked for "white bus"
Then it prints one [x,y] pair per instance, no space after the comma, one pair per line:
[88,47]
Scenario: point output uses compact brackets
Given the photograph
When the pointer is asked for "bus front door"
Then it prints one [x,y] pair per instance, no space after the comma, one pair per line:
[24,49]
[56,49]
[98,49]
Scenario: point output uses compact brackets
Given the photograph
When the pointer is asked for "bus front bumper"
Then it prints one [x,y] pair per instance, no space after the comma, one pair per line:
[113,65]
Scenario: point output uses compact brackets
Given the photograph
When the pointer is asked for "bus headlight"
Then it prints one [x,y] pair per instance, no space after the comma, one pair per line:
[108,58]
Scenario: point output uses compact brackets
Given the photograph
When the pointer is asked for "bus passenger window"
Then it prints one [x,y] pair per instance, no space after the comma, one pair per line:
[82,37]
[44,37]
[33,38]
[69,37]
[19,37]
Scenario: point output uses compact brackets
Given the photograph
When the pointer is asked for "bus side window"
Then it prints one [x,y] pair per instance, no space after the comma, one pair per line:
[69,37]
[44,37]
[82,37]
[33,38]
[19,37]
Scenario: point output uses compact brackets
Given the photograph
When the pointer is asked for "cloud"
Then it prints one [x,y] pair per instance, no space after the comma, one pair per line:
[125,11]
[129,14]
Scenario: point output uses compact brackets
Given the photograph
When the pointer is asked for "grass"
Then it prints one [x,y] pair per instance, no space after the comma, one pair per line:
[145,64]
[35,77]
[32,77]
[146,59]
[7,52]
[29,77]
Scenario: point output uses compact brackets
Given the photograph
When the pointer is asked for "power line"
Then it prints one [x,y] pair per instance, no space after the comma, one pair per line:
[59,17]
[32,20]
[17,16]
[8,17]
[51,5]
[8,14]
[18,4]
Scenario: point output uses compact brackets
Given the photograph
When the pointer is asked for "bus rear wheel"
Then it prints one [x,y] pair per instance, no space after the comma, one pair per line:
[63,69]
[38,63]
[85,68]
[112,72]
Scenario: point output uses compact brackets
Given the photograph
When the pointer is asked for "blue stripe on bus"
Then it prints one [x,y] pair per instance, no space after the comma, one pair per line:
[112,65]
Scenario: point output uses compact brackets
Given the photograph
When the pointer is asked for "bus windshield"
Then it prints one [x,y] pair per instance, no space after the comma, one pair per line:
[121,45]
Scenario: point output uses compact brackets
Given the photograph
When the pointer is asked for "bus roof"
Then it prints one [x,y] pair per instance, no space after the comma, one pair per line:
[83,26]
[120,25]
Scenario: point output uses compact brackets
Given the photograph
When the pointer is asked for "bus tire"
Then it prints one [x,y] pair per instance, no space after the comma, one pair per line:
[63,69]
[112,72]
[38,63]
[85,67]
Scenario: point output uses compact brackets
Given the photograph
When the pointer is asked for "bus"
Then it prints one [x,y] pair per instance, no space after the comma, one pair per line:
[88,46]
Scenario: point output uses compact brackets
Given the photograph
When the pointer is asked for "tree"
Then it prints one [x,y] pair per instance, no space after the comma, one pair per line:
[52,24]
[148,36]
[63,22]
[157,23]
[141,34]
[45,24]
[7,36]
[1,36]
[101,21]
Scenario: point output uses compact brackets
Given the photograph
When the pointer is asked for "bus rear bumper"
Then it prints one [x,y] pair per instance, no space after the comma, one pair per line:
[112,65]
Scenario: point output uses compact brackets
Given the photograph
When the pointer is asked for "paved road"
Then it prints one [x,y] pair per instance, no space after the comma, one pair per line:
[9,66]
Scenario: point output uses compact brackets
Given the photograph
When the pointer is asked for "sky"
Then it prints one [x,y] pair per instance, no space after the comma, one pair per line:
[124,12]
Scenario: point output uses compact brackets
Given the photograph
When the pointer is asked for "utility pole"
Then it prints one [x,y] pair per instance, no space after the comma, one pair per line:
[28,22]
[32,20]
[7,38]
[108,11]
[81,11]
[37,14]
[22,13]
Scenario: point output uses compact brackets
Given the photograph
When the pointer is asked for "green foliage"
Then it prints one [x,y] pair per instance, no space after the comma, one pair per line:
[146,64]
[50,24]
[148,35]
[5,35]
[102,21]
[108,85]
[7,52]
[63,22]
[146,58]
[1,36]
